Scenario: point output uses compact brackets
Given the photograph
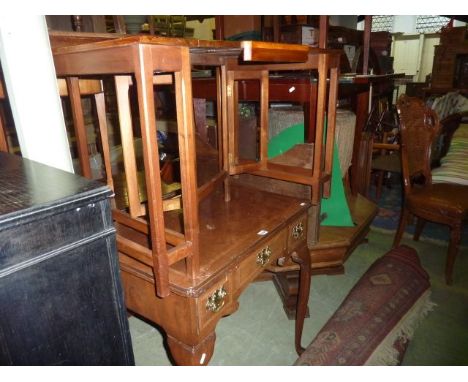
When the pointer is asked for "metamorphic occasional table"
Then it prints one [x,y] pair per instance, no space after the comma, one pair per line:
[184,269]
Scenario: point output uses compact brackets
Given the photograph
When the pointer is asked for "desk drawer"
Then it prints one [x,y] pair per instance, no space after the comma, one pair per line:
[266,254]
[297,233]
[211,304]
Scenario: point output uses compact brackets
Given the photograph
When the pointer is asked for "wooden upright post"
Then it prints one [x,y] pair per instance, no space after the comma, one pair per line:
[219,27]
[323,31]
[366,43]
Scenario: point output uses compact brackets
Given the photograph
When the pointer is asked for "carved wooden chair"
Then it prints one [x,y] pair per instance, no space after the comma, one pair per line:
[442,203]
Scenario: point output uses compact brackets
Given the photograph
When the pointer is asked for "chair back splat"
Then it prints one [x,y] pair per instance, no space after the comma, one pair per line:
[419,127]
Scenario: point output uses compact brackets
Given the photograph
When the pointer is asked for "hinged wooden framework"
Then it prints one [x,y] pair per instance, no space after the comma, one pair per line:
[327,65]
[149,220]
[146,62]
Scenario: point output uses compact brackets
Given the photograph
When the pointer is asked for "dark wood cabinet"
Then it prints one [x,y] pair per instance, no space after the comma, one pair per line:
[61,300]
[449,70]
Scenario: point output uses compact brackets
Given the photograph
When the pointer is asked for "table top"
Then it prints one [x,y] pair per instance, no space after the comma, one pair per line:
[250,51]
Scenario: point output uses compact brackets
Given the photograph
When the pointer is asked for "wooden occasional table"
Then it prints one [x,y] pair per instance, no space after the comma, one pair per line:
[185,269]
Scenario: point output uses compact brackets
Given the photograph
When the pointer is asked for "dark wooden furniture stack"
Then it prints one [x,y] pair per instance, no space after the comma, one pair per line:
[61,301]
[450,68]
[185,269]
[442,203]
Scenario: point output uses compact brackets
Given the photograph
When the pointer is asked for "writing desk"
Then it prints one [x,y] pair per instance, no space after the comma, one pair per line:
[185,269]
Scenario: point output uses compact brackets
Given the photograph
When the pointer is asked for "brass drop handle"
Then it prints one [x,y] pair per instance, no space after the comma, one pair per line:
[298,230]
[216,300]
[263,256]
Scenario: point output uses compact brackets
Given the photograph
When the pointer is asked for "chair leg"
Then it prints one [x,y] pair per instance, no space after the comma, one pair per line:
[420,223]
[455,237]
[401,227]
[379,184]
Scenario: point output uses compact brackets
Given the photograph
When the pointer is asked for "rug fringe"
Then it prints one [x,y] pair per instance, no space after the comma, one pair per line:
[386,354]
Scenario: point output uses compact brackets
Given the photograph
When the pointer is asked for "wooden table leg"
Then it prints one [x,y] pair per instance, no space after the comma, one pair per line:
[192,355]
[302,257]
[362,107]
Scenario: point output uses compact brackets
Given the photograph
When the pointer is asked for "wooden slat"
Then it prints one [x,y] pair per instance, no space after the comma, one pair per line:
[325,177]
[331,124]
[102,123]
[162,79]
[366,43]
[144,84]
[79,126]
[172,237]
[264,124]
[87,87]
[219,117]
[240,75]
[245,166]
[145,256]
[209,186]
[122,85]
[138,224]
[179,253]
[223,109]
[320,122]
[386,146]
[172,204]
[187,156]
[301,176]
[323,31]
[135,250]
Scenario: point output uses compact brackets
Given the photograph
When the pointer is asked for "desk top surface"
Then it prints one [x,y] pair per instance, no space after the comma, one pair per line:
[229,231]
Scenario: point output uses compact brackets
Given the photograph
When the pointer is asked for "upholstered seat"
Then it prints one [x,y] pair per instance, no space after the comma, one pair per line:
[441,198]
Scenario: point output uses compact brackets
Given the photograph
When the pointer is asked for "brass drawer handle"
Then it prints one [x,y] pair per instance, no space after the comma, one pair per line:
[263,256]
[216,300]
[298,230]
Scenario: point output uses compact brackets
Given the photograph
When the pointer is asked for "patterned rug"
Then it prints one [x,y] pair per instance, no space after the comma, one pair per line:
[377,318]
[389,214]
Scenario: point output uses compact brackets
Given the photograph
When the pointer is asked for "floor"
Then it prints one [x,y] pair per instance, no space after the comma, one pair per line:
[260,334]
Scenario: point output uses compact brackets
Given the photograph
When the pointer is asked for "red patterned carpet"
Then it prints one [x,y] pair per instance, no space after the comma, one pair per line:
[378,316]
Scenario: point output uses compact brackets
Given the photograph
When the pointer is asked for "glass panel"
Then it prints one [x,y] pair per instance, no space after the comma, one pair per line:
[430,24]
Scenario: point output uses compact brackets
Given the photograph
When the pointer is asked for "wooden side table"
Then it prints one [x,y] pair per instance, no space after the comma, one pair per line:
[185,269]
